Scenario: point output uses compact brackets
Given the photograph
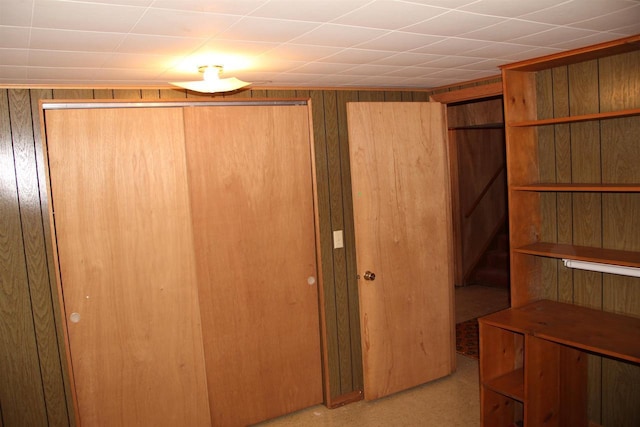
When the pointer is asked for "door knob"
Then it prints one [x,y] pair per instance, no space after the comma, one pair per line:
[368,275]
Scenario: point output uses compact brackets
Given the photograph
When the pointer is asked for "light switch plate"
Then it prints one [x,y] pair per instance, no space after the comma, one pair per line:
[337,239]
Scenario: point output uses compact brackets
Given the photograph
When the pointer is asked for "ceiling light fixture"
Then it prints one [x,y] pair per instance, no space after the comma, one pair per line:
[211,81]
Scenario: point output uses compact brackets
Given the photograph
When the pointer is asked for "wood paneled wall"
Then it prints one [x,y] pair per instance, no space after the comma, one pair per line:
[34,382]
[604,151]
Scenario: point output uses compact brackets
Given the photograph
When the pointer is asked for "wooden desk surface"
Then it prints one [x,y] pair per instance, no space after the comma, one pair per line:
[596,331]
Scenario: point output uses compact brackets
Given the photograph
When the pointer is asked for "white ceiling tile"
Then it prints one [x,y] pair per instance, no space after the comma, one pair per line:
[507,8]
[368,69]
[16,12]
[532,53]
[85,16]
[322,68]
[551,37]
[397,41]
[86,74]
[14,57]
[299,52]
[586,41]
[183,23]
[458,73]
[51,58]
[448,4]
[156,63]
[389,43]
[231,7]
[621,19]
[453,23]
[491,65]
[12,74]
[141,3]
[411,72]
[266,30]
[406,59]
[138,43]
[577,10]
[452,61]
[355,56]
[14,37]
[339,35]
[311,11]
[496,50]
[75,40]
[452,46]
[508,30]
[276,65]
[389,14]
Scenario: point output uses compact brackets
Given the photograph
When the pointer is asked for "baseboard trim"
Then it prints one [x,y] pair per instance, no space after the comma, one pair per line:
[345,399]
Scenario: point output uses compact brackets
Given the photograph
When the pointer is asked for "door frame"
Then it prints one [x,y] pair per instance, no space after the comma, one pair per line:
[473,93]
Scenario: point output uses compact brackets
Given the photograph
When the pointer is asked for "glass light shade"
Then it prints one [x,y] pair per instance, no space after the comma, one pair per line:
[211,82]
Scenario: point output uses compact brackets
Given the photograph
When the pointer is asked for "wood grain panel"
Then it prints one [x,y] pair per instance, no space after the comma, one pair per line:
[138,313]
[126,94]
[620,88]
[585,167]
[475,113]
[57,316]
[331,360]
[21,384]
[621,386]
[562,164]
[36,259]
[547,172]
[72,93]
[341,297]
[150,94]
[357,381]
[587,220]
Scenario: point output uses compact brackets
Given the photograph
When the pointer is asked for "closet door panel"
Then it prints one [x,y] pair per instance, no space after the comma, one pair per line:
[252,206]
[127,270]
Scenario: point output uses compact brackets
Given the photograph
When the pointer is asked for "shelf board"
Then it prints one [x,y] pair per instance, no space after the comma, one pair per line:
[583,328]
[576,119]
[510,384]
[600,188]
[582,253]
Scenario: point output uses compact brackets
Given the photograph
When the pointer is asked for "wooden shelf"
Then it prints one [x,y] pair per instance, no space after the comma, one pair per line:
[601,188]
[583,328]
[582,253]
[510,385]
[576,119]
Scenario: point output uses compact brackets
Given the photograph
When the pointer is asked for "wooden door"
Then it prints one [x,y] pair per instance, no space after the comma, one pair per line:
[252,204]
[126,265]
[400,182]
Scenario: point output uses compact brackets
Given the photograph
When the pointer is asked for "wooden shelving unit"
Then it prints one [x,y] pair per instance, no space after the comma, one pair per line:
[547,373]
[574,193]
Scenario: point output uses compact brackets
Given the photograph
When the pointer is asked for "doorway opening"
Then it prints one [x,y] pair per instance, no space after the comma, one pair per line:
[477,159]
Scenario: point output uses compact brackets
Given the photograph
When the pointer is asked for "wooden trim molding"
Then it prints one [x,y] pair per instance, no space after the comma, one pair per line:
[467,94]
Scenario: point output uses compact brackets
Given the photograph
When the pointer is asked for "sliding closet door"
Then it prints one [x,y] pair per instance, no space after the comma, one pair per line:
[250,183]
[126,264]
